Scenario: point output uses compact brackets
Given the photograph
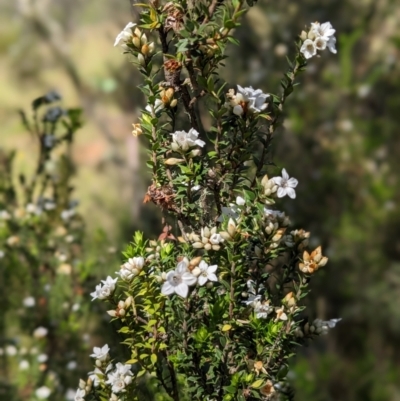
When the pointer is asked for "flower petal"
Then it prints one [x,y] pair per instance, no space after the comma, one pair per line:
[285,175]
[189,279]
[281,192]
[182,290]
[277,180]
[202,280]
[291,192]
[167,289]
[292,182]
[212,277]
[212,269]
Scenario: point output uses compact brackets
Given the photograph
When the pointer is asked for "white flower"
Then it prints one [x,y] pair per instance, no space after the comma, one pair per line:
[179,280]
[42,358]
[207,273]
[125,35]
[4,215]
[249,100]
[105,291]
[274,213]
[43,392]
[131,268]
[253,296]
[71,365]
[67,214]
[262,309]
[11,350]
[240,201]
[101,354]
[320,43]
[324,30]
[120,377]
[286,185]
[184,140]
[29,302]
[40,332]
[158,106]
[308,48]
[323,326]
[33,209]
[80,395]
[216,239]
[23,365]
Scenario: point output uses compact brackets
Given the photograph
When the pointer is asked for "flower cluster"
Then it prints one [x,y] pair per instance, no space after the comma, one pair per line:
[104,291]
[318,38]
[131,268]
[183,141]
[247,101]
[209,239]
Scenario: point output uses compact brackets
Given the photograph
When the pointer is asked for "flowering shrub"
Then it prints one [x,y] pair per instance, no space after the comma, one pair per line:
[213,308]
[42,272]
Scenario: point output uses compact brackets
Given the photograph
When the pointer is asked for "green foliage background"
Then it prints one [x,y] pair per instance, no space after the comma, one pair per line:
[340,140]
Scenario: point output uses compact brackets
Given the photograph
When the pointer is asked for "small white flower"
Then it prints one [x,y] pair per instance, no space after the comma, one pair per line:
[324,30]
[23,365]
[67,214]
[104,291]
[80,395]
[125,35]
[11,350]
[216,239]
[240,201]
[4,215]
[308,48]
[43,392]
[286,185]
[101,353]
[207,273]
[179,280]
[33,209]
[29,302]
[158,106]
[184,140]
[320,43]
[262,309]
[72,365]
[248,100]
[40,332]
[120,377]
[42,358]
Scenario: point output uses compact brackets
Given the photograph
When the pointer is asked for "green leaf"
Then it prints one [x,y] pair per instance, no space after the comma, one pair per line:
[258,383]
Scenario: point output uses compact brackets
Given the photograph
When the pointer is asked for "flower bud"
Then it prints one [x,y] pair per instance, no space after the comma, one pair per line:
[198,245]
[82,384]
[173,161]
[173,103]
[128,302]
[231,228]
[112,313]
[195,152]
[136,42]
[207,247]
[195,261]
[303,35]
[141,60]
[196,272]
[122,312]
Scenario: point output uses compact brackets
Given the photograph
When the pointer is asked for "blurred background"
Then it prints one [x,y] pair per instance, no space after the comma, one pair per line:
[340,140]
